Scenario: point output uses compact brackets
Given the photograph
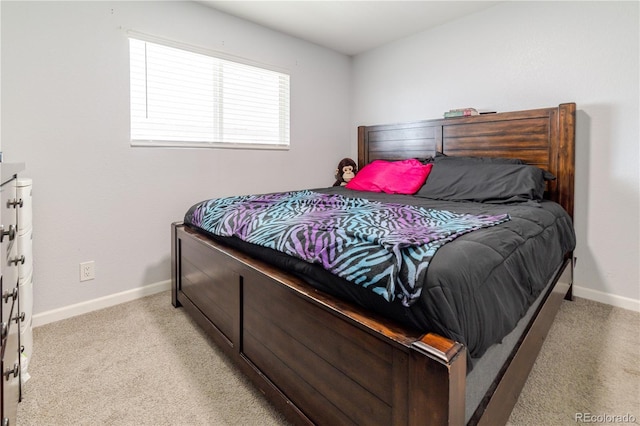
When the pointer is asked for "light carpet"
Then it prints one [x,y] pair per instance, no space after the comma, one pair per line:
[146,363]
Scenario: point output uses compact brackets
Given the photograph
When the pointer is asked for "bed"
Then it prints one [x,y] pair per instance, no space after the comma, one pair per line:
[325,356]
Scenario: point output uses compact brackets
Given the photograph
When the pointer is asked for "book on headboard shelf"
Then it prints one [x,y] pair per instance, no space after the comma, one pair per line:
[461,112]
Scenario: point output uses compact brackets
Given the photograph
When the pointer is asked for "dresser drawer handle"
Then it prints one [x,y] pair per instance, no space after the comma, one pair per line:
[8,372]
[11,232]
[10,294]
[17,260]
[13,203]
[19,318]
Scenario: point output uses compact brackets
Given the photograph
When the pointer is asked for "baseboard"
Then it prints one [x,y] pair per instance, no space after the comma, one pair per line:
[99,303]
[609,299]
[137,293]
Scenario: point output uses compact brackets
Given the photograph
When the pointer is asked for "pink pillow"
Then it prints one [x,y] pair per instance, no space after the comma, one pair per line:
[392,177]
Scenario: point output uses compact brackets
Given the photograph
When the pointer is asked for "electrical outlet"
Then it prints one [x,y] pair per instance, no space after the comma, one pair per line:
[87,271]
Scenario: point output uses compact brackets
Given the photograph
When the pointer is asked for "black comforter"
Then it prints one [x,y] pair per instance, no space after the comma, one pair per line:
[477,287]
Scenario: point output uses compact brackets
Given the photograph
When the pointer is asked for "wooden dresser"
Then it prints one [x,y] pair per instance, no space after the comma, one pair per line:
[9,302]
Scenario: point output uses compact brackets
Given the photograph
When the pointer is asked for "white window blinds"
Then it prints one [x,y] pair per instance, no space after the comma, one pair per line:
[184,98]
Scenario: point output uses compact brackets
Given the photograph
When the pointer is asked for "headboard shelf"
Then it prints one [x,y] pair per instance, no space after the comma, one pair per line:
[543,137]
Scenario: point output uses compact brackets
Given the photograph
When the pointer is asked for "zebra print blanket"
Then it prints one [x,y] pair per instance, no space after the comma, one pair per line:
[383,247]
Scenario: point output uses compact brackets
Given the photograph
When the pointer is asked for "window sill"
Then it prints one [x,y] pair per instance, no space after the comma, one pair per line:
[215,145]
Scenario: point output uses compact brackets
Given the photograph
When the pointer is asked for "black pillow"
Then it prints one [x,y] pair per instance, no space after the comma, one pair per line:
[484,181]
[497,160]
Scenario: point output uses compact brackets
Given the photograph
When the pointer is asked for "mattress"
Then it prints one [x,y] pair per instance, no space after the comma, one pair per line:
[476,287]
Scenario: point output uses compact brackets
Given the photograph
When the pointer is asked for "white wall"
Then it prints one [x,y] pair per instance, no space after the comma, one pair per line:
[521,55]
[65,114]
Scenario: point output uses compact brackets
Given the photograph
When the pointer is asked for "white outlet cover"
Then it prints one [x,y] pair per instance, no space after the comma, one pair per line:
[87,271]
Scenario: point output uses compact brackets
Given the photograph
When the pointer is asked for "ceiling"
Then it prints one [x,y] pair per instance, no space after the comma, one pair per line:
[349,27]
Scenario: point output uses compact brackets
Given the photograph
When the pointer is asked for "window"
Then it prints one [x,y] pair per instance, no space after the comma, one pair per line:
[183,97]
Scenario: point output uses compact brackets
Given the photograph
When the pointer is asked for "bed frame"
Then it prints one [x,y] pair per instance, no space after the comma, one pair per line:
[321,360]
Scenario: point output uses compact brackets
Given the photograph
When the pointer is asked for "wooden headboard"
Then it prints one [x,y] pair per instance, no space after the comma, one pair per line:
[542,137]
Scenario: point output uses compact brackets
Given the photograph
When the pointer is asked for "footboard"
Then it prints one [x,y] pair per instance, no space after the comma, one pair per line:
[319,360]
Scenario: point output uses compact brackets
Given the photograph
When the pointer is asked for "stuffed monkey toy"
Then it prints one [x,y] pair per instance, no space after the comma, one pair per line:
[346,171]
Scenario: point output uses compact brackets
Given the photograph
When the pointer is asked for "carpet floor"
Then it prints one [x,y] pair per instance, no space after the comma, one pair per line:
[146,363]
